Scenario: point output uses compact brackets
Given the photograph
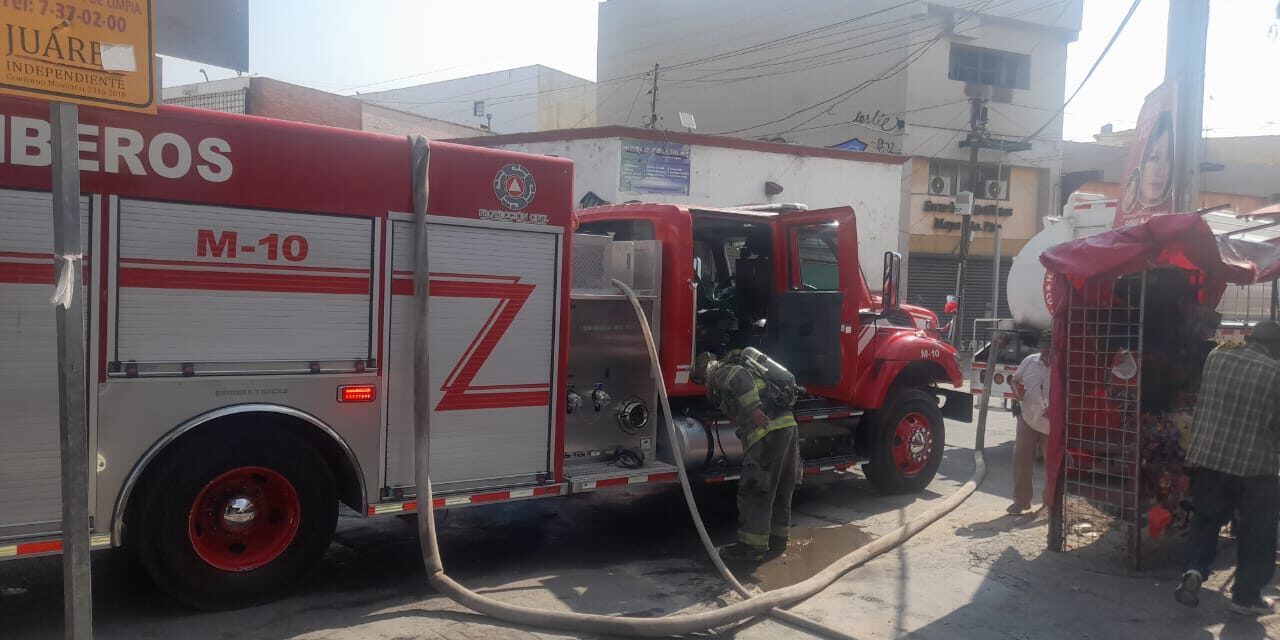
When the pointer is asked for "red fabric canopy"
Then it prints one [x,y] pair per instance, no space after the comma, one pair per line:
[1181,240]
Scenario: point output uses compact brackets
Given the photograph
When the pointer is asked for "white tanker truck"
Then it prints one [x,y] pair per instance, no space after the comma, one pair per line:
[1027,288]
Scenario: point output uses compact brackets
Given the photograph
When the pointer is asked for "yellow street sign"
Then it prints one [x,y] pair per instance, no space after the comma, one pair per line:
[93,52]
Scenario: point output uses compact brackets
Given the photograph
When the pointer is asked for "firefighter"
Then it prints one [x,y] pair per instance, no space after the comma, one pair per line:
[771,463]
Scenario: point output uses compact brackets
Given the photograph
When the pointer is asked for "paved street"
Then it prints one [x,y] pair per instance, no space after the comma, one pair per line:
[977,574]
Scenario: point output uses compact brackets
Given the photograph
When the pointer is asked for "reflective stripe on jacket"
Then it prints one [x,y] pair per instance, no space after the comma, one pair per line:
[736,391]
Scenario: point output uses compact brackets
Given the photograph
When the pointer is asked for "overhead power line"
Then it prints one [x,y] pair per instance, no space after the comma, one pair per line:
[1119,29]
[843,95]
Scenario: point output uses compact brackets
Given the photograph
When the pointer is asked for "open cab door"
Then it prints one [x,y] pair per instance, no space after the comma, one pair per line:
[820,288]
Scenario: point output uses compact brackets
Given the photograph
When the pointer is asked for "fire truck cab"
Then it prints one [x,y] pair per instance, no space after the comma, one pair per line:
[791,285]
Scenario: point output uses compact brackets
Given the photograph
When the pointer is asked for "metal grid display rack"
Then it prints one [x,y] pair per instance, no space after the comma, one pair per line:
[1101,489]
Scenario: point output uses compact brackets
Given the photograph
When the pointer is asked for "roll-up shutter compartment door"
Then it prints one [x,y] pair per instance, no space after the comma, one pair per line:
[492,339]
[30,468]
[207,284]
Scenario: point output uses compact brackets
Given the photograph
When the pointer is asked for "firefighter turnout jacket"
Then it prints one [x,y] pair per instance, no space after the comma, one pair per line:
[736,391]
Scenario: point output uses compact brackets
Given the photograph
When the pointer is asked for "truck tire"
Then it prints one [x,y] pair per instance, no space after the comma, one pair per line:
[907,443]
[235,520]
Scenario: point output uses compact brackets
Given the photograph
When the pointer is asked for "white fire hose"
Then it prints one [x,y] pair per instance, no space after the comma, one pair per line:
[766,603]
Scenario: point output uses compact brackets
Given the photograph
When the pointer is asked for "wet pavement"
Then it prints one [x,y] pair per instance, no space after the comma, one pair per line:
[978,574]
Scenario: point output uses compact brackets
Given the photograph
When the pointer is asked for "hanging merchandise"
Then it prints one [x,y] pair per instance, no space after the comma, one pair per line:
[1137,309]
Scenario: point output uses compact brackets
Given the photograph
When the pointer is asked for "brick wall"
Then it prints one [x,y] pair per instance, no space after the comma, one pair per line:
[274,99]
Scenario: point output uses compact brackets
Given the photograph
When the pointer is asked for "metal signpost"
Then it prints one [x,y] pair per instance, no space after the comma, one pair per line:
[94,54]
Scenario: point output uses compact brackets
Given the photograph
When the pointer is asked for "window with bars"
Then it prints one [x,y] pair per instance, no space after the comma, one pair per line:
[990,67]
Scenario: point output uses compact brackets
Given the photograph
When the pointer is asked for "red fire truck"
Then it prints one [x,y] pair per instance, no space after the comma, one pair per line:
[247,292]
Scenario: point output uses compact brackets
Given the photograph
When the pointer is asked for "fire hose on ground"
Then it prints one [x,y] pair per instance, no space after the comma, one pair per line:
[767,603]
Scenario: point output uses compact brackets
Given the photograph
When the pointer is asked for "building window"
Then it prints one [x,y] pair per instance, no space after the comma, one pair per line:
[477,108]
[990,67]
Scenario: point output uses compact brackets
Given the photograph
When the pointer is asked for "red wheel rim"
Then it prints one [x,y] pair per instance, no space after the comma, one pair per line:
[244,518]
[912,443]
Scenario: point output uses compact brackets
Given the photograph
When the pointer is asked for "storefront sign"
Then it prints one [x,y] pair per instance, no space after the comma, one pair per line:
[97,52]
[654,167]
[978,210]
[1148,175]
[942,224]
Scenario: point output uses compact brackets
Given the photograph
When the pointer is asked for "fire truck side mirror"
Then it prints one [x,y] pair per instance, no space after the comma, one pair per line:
[891,293]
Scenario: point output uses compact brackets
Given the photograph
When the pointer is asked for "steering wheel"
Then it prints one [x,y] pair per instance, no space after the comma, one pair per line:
[722,292]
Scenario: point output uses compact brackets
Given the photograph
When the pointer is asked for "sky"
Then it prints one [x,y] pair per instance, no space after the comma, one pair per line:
[343,46]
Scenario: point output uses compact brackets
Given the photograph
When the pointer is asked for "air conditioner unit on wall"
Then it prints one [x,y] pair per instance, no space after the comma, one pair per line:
[995,190]
[939,186]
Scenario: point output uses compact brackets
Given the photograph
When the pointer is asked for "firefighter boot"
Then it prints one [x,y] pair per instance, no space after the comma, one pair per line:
[777,546]
[742,552]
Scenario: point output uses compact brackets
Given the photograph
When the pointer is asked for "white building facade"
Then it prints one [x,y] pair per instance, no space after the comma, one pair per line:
[619,164]
[532,98]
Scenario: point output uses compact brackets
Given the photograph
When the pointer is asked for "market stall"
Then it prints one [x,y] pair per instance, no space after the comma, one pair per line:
[1134,317]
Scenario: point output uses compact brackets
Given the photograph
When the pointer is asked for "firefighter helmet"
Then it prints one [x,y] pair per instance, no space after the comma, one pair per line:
[703,365]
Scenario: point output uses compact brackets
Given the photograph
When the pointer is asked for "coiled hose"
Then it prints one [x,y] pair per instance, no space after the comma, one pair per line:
[762,604]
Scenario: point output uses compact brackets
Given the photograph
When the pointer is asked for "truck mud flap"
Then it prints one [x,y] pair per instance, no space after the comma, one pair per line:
[956,405]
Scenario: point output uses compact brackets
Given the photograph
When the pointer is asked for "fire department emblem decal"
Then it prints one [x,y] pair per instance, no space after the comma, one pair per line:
[515,187]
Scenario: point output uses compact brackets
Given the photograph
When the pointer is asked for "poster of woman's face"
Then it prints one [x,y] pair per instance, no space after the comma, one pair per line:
[1156,169]
[1149,184]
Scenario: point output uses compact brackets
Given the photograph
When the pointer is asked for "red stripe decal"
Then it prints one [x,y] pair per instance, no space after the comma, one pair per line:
[40,547]
[490,497]
[258,282]
[664,477]
[28,273]
[239,265]
[546,491]
[411,505]
[612,482]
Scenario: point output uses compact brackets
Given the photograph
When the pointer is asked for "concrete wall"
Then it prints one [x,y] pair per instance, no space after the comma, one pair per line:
[1238,203]
[533,98]
[876,71]
[740,91]
[727,177]
[384,120]
[565,101]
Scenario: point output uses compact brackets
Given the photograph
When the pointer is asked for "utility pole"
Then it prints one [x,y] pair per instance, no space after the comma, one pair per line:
[975,139]
[1184,65]
[653,101]
[77,578]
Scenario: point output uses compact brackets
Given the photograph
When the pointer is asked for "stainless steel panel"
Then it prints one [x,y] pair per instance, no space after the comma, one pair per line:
[607,353]
[135,414]
[598,260]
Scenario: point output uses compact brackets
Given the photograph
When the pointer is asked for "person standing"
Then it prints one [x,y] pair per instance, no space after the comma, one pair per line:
[1235,434]
[771,463]
[1031,388]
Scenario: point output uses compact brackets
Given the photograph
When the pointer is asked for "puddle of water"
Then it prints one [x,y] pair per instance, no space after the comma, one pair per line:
[810,551]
